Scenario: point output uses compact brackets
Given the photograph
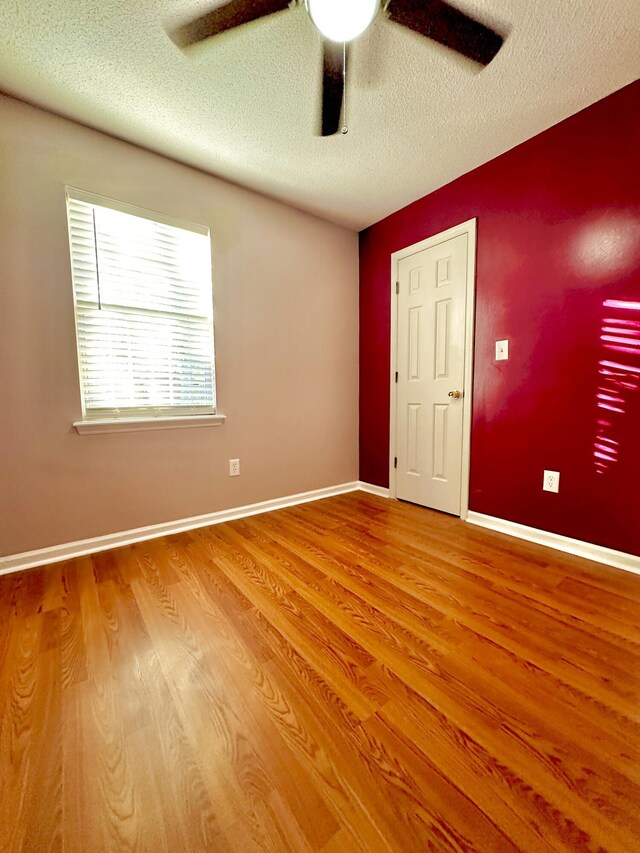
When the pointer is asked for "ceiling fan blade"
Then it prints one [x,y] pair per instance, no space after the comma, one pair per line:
[227,17]
[449,26]
[332,86]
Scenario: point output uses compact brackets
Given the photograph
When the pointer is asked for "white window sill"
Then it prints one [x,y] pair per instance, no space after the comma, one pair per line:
[92,427]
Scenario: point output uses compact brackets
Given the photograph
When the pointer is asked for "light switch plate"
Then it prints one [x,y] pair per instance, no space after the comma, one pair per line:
[551,481]
[502,350]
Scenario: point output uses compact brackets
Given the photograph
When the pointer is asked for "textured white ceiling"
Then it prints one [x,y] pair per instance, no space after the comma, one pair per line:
[244,105]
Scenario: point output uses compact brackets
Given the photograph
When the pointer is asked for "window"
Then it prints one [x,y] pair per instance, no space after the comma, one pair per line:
[144,312]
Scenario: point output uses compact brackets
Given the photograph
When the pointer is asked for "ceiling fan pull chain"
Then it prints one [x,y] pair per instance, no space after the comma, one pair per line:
[345,129]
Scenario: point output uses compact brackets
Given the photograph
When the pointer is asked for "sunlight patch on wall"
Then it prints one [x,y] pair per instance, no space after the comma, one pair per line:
[619,376]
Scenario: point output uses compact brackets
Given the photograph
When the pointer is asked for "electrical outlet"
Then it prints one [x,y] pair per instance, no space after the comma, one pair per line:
[551,481]
[234,467]
[502,350]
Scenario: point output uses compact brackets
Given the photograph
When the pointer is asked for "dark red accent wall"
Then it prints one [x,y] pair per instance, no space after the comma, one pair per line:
[558,274]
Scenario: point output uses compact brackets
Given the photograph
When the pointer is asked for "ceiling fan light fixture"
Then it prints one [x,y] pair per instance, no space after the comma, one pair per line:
[342,20]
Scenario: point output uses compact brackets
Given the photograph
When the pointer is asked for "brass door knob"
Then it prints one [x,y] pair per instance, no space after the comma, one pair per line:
[455,394]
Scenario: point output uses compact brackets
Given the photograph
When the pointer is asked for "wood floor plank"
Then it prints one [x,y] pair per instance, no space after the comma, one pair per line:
[18,735]
[45,765]
[275,596]
[418,666]
[354,674]
[250,678]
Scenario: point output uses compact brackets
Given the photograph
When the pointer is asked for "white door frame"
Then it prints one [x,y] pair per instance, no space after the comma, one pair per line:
[468,228]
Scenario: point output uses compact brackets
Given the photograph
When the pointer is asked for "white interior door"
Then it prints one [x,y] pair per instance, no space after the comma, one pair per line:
[431,308]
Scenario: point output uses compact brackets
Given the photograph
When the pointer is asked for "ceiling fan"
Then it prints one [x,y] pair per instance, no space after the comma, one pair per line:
[341,21]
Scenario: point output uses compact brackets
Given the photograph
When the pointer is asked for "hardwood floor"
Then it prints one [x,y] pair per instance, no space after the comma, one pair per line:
[352,674]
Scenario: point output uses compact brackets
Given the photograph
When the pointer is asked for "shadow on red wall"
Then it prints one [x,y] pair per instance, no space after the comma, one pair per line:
[558,274]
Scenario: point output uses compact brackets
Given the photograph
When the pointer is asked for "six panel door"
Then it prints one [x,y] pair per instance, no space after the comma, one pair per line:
[430,362]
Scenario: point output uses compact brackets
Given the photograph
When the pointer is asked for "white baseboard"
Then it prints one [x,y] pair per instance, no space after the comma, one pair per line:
[57,553]
[370,489]
[618,559]
[70,550]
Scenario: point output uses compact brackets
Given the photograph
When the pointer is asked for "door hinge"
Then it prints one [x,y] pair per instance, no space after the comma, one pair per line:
[395,461]
[396,375]
[397,287]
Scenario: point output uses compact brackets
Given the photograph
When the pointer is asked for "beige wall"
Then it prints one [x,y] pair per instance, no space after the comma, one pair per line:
[286,301]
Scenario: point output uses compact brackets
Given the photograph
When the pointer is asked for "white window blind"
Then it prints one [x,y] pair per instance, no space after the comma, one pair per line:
[144,311]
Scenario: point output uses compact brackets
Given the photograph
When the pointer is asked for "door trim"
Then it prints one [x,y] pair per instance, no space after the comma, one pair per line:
[469,228]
